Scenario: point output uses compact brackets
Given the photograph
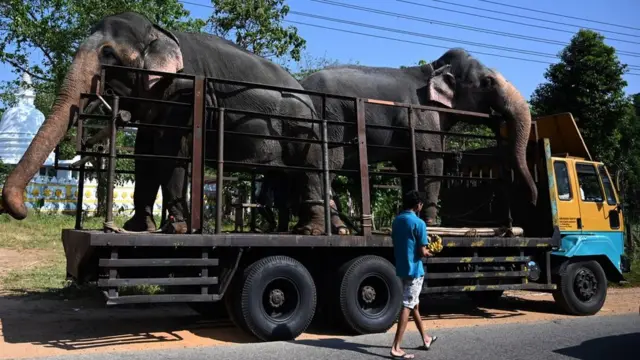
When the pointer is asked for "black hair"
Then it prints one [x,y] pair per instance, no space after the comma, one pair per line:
[411,199]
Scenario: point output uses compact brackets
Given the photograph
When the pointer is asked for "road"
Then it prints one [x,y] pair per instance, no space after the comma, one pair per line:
[597,337]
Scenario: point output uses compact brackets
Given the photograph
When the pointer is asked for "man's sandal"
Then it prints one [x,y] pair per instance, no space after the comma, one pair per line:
[427,347]
[403,356]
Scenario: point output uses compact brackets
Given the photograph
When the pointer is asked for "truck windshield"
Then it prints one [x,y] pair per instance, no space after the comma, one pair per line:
[590,189]
[608,187]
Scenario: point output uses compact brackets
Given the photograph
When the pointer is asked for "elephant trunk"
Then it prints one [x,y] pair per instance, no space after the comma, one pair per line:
[515,108]
[77,81]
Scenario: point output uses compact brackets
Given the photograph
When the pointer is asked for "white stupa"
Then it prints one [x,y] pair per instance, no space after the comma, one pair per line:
[20,124]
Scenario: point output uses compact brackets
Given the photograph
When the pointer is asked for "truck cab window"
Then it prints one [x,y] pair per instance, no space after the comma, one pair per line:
[608,187]
[563,184]
[589,183]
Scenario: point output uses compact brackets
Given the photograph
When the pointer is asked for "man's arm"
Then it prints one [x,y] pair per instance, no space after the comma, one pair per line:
[422,240]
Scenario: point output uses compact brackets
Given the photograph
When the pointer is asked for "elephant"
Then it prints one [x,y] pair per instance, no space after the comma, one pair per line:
[131,40]
[456,80]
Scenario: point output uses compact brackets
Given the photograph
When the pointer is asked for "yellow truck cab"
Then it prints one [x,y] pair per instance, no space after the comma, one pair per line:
[585,204]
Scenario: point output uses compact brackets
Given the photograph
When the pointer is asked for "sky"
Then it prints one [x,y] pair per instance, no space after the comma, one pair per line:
[525,75]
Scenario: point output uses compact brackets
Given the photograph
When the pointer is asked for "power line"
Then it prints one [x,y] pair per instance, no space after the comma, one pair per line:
[509,21]
[471,28]
[411,42]
[527,52]
[567,16]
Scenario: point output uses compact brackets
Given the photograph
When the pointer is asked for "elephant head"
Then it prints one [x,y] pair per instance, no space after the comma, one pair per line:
[463,83]
[127,39]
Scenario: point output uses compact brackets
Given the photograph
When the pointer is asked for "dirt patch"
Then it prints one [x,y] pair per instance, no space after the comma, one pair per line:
[21,259]
[45,327]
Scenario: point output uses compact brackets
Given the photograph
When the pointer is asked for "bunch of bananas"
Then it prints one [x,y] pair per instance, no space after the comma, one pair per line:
[435,244]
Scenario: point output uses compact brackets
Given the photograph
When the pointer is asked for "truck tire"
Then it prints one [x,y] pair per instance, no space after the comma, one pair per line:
[485,298]
[278,298]
[582,288]
[232,304]
[370,294]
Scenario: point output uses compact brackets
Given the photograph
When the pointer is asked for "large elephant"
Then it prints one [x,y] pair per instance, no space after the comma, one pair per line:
[456,80]
[131,40]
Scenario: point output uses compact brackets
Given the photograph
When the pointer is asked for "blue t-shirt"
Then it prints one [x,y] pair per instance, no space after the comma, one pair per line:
[408,232]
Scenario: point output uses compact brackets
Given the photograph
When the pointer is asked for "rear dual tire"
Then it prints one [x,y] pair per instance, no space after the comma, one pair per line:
[274,299]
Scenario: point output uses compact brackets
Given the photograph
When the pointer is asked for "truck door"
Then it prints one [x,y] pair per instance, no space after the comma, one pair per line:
[592,216]
[567,200]
[611,205]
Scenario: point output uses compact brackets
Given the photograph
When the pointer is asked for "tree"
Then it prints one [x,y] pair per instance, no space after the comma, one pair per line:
[256,25]
[588,83]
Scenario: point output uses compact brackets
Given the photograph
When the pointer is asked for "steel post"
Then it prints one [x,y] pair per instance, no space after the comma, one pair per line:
[325,169]
[414,160]
[219,174]
[111,165]
[197,163]
[364,166]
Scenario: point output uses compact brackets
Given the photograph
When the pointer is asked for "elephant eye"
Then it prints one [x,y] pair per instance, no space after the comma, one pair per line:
[108,52]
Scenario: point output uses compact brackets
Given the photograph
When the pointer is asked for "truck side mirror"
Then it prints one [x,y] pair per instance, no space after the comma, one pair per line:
[618,181]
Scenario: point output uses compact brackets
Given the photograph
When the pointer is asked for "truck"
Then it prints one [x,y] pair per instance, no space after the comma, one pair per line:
[272,285]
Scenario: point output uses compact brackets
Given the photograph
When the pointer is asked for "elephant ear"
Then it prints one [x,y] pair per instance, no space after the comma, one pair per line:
[441,86]
[162,53]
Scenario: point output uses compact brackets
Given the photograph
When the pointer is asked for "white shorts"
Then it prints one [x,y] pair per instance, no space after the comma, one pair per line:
[411,289]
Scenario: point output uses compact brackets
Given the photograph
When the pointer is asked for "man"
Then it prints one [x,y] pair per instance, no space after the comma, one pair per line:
[409,234]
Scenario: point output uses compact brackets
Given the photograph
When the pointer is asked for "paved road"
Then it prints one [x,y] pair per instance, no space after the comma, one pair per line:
[597,337]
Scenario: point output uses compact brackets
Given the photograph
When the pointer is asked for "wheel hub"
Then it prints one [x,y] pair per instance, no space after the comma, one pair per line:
[586,284]
[276,298]
[368,294]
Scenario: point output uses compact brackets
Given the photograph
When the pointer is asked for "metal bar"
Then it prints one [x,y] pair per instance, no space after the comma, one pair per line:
[165,298]
[414,160]
[158,281]
[157,262]
[197,164]
[204,273]
[432,132]
[282,117]
[286,138]
[476,275]
[139,99]
[113,273]
[498,259]
[80,198]
[325,169]
[428,108]
[547,266]
[253,200]
[132,156]
[111,165]
[220,171]
[529,286]
[364,166]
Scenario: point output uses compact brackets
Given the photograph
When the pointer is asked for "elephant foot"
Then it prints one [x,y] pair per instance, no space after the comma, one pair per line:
[338,226]
[140,223]
[174,226]
[310,229]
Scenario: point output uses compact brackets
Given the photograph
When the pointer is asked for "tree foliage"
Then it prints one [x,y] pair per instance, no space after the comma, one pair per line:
[256,25]
[588,83]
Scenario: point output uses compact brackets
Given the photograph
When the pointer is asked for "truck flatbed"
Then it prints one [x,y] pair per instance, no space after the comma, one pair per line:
[99,238]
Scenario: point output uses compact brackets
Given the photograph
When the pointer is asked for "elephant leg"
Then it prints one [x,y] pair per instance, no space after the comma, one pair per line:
[427,165]
[173,177]
[311,220]
[146,185]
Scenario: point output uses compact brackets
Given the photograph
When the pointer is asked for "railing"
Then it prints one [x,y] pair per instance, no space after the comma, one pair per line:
[201,129]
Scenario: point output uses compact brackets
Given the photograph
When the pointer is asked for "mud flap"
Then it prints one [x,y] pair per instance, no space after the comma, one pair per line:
[82,258]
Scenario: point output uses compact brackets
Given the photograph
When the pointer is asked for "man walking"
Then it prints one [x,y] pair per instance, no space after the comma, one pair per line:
[409,234]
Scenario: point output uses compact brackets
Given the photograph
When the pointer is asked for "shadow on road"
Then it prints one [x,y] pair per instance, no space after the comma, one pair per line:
[609,347]
[341,344]
[84,322]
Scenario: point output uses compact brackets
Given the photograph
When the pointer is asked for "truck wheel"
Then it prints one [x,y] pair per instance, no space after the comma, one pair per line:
[486,298]
[278,298]
[582,288]
[370,294]
[232,304]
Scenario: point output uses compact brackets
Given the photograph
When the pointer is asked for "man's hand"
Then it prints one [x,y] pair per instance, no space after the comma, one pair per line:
[426,252]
